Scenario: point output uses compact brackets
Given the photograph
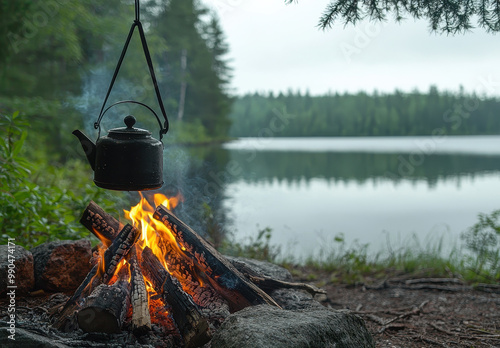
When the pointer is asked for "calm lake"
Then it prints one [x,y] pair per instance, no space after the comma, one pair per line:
[308,190]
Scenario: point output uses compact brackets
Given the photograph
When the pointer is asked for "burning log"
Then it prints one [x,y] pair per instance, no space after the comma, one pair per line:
[101,224]
[108,264]
[141,318]
[178,265]
[105,309]
[192,326]
[118,250]
[238,291]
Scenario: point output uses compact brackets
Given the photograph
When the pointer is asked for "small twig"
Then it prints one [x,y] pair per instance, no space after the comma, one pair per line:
[437,287]
[415,311]
[263,281]
[434,281]
[485,333]
[375,319]
[428,340]
[435,326]
[392,311]
[489,337]
[490,288]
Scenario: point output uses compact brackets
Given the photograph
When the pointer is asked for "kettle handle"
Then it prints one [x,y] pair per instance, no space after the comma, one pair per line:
[97,124]
[137,23]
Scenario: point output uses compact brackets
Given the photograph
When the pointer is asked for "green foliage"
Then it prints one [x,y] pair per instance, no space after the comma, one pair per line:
[482,241]
[258,247]
[39,203]
[446,16]
[362,114]
[10,25]
[187,133]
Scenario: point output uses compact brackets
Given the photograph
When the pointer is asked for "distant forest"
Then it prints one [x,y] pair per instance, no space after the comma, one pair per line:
[363,114]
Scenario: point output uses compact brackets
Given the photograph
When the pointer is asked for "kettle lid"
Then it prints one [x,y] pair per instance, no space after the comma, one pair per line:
[129,131]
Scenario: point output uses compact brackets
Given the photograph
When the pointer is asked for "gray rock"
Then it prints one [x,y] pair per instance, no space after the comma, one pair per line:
[23,267]
[61,265]
[269,327]
[294,299]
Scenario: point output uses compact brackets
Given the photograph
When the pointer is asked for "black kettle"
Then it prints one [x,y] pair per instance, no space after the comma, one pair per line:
[128,158]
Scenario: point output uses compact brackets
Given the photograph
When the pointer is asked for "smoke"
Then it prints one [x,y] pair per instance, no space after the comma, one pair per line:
[182,172]
[89,103]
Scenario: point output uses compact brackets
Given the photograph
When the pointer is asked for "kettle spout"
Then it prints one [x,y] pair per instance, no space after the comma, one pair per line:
[88,146]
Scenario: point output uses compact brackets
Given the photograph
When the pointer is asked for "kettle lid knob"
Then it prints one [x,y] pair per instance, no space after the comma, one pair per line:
[129,121]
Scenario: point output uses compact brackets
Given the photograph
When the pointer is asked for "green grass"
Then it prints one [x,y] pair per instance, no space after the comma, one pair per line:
[474,258]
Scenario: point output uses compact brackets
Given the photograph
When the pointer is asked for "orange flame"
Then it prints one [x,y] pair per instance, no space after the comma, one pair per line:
[153,232]
[160,239]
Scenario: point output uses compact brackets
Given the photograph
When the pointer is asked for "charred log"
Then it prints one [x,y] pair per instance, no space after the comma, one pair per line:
[101,273]
[105,309]
[66,320]
[192,326]
[101,224]
[233,286]
[141,318]
[118,249]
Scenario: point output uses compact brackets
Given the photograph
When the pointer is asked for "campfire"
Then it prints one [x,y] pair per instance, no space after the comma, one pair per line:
[157,270]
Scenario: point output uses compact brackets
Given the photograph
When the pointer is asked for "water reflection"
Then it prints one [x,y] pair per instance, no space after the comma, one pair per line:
[360,194]
[293,167]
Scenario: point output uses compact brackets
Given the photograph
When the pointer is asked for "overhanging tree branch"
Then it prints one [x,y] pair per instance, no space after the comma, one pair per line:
[444,16]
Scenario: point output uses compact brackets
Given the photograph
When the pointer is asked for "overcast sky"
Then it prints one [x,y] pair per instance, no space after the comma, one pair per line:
[276,47]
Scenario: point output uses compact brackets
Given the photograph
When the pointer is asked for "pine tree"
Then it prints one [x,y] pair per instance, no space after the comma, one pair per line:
[195,72]
[447,16]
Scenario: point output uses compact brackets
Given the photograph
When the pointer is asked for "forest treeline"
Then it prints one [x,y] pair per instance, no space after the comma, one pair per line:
[362,114]
[57,58]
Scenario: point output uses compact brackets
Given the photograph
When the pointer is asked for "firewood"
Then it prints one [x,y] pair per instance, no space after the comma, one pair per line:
[233,286]
[178,265]
[193,327]
[100,273]
[105,309]
[269,284]
[66,320]
[118,250]
[141,318]
[101,224]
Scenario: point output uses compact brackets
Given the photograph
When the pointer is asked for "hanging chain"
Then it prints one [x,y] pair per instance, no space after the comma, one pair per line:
[137,11]
[137,23]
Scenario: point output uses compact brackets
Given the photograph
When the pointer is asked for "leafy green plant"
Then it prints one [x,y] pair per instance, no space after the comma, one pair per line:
[37,202]
[258,247]
[482,242]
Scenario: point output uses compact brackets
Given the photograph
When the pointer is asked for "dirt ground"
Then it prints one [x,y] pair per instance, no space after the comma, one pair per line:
[421,312]
[404,311]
